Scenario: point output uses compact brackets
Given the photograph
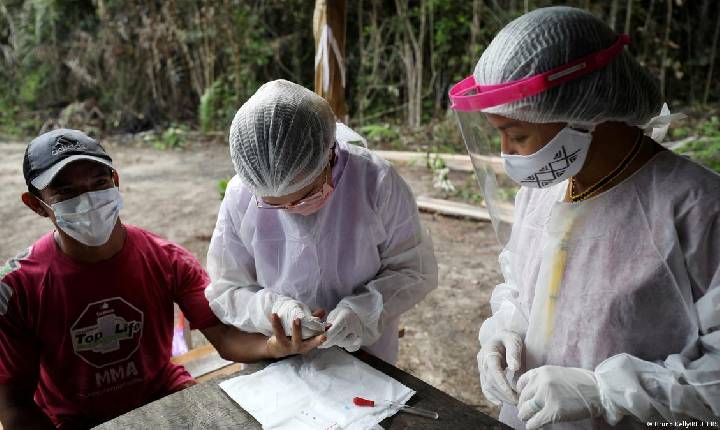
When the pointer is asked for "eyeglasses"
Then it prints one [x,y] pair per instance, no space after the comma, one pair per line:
[316,189]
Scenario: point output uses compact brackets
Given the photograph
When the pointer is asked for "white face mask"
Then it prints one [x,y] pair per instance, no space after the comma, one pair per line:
[90,217]
[558,160]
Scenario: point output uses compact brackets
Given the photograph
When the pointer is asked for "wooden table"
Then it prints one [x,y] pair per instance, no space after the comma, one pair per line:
[206,406]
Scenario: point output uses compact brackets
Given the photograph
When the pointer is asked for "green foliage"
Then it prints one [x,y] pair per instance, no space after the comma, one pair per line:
[468,191]
[441,178]
[207,107]
[217,106]
[380,134]
[507,193]
[446,137]
[706,148]
[173,137]
[192,62]
[222,186]
[31,85]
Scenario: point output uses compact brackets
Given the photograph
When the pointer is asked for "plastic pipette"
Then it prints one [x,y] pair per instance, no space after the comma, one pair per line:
[359,401]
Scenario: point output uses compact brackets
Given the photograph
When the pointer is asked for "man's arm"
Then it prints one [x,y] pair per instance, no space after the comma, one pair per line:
[19,411]
[235,345]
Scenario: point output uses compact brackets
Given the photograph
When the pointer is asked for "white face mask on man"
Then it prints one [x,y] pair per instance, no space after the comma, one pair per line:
[90,217]
[562,157]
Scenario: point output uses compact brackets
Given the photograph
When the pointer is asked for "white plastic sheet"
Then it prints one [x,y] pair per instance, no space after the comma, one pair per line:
[315,391]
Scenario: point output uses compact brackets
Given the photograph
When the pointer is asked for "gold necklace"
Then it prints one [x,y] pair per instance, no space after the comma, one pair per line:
[610,176]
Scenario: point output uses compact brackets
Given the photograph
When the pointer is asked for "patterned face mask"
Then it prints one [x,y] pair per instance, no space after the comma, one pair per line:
[562,157]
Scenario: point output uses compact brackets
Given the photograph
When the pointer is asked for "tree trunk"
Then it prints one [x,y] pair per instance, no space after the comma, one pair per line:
[362,57]
[412,56]
[628,16]
[330,75]
[477,7]
[713,49]
[613,14]
[666,42]
[646,32]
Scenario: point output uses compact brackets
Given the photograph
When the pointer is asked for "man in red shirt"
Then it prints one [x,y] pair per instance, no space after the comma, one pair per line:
[86,313]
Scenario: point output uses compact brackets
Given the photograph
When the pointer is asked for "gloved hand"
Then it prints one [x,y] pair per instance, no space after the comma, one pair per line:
[289,309]
[346,330]
[502,351]
[552,394]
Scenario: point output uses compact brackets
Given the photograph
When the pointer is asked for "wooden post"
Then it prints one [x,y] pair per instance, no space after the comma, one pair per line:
[330,73]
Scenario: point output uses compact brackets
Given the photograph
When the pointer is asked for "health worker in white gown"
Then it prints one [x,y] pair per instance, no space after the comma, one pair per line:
[313,225]
[609,313]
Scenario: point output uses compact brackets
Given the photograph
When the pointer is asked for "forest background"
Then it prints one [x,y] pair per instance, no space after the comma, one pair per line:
[174,67]
[170,74]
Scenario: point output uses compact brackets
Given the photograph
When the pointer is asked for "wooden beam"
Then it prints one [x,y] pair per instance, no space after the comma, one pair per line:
[464,210]
[450,208]
[456,162]
[201,361]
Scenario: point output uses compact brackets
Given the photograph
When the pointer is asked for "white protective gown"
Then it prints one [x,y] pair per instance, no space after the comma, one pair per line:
[626,284]
[365,245]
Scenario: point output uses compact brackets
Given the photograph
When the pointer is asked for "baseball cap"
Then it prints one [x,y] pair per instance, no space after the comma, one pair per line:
[48,153]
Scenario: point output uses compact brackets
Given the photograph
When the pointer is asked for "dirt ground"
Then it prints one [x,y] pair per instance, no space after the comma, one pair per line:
[174,193]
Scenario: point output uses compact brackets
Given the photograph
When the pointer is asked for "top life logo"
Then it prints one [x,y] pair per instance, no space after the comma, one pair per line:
[107,332]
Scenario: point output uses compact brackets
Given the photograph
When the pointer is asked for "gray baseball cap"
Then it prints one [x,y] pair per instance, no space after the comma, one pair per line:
[47,154]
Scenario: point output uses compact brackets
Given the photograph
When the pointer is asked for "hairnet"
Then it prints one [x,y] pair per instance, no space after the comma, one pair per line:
[280,138]
[550,37]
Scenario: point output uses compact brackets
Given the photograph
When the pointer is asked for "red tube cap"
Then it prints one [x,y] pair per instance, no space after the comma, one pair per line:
[359,401]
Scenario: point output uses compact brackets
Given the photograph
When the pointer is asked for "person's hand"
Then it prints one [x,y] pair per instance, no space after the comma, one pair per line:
[504,350]
[279,345]
[345,329]
[552,394]
[289,310]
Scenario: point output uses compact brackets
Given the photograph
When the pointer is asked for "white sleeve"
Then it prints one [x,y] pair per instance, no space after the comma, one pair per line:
[233,293]
[685,384]
[408,269]
[675,389]
[507,312]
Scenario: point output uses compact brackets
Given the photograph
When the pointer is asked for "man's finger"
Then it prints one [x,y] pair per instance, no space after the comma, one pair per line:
[312,343]
[334,334]
[278,329]
[313,324]
[296,335]
[276,324]
[319,313]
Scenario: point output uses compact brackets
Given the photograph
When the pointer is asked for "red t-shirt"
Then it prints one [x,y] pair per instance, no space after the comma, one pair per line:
[96,338]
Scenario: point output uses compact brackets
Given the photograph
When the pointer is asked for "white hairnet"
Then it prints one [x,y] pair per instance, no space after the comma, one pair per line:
[551,37]
[280,138]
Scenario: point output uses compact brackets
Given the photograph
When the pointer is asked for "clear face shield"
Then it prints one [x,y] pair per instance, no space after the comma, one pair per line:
[469,99]
[496,188]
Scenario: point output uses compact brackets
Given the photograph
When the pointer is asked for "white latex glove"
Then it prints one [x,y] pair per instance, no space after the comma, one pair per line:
[346,331]
[552,394]
[502,351]
[289,309]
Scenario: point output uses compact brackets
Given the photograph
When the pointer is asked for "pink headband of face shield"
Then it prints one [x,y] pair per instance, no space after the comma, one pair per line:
[485,96]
